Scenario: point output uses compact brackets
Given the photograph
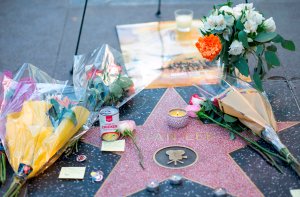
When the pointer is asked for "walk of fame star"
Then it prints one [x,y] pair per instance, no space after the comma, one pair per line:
[215,168]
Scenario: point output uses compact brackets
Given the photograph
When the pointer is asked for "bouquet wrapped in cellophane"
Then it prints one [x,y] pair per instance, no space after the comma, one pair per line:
[237,106]
[40,118]
[104,77]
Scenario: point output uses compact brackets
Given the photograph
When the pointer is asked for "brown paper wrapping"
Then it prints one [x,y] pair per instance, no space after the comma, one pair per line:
[249,106]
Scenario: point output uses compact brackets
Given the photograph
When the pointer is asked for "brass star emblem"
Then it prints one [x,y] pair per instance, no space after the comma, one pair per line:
[176,156]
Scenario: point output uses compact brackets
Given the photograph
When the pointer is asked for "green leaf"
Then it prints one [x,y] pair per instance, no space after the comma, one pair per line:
[232,135]
[116,90]
[242,66]
[124,82]
[272,48]
[259,50]
[243,38]
[259,68]
[278,39]
[257,81]
[265,36]
[239,25]
[272,58]
[229,118]
[54,110]
[70,115]
[288,44]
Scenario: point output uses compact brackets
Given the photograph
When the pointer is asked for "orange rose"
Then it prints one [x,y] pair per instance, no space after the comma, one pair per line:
[209,46]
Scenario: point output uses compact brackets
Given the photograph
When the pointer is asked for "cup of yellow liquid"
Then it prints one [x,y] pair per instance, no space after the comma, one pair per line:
[184,19]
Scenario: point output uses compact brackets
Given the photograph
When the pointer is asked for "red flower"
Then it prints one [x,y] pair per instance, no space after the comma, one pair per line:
[216,103]
[93,73]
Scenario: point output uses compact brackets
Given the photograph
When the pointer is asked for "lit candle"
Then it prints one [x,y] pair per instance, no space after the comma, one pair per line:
[176,179]
[153,186]
[177,112]
[177,118]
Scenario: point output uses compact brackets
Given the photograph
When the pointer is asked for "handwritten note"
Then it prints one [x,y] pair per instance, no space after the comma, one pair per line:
[295,192]
[118,145]
[72,173]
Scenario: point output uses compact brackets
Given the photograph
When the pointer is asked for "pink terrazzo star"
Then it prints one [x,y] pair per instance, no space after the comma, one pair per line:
[214,168]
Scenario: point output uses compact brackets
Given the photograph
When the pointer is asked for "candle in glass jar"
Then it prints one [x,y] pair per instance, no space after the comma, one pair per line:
[177,112]
[177,118]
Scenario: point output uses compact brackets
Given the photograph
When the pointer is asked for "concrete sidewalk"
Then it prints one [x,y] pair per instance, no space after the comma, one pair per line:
[45,33]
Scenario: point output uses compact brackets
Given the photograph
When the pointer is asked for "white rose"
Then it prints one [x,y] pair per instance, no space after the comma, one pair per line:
[269,25]
[237,12]
[226,9]
[220,22]
[250,26]
[254,16]
[126,125]
[216,22]
[236,48]
[206,27]
[243,6]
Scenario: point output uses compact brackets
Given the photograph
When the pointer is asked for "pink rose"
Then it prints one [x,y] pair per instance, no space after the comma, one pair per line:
[192,110]
[196,100]
[8,74]
[114,69]
[126,125]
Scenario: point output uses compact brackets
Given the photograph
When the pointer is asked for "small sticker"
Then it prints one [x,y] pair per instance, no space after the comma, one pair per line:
[97,176]
[81,158]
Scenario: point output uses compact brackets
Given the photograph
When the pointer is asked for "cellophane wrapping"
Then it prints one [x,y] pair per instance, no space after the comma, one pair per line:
[104,77]
[40,117]
[240,99]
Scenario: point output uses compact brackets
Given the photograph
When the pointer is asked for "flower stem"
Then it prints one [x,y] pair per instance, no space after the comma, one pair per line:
[141,158]
[2,167]
[14,188]
[244,138]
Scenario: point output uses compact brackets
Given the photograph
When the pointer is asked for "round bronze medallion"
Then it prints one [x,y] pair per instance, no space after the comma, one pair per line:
[175,157]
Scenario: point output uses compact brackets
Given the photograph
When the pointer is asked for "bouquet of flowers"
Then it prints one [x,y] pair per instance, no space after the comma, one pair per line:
[10,102]
[234,34]
[237,106]
[40,118]
[103,75]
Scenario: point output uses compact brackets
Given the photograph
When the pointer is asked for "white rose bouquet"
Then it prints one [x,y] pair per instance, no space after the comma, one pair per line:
[241,32]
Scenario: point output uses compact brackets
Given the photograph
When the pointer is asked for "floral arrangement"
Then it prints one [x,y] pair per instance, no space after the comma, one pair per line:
[100,94]
[233,34]
[126,129]
[39,122]
[12,96]
[103,76]
[238,107]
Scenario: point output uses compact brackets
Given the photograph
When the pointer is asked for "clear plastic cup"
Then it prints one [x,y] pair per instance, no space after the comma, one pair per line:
[184,19]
